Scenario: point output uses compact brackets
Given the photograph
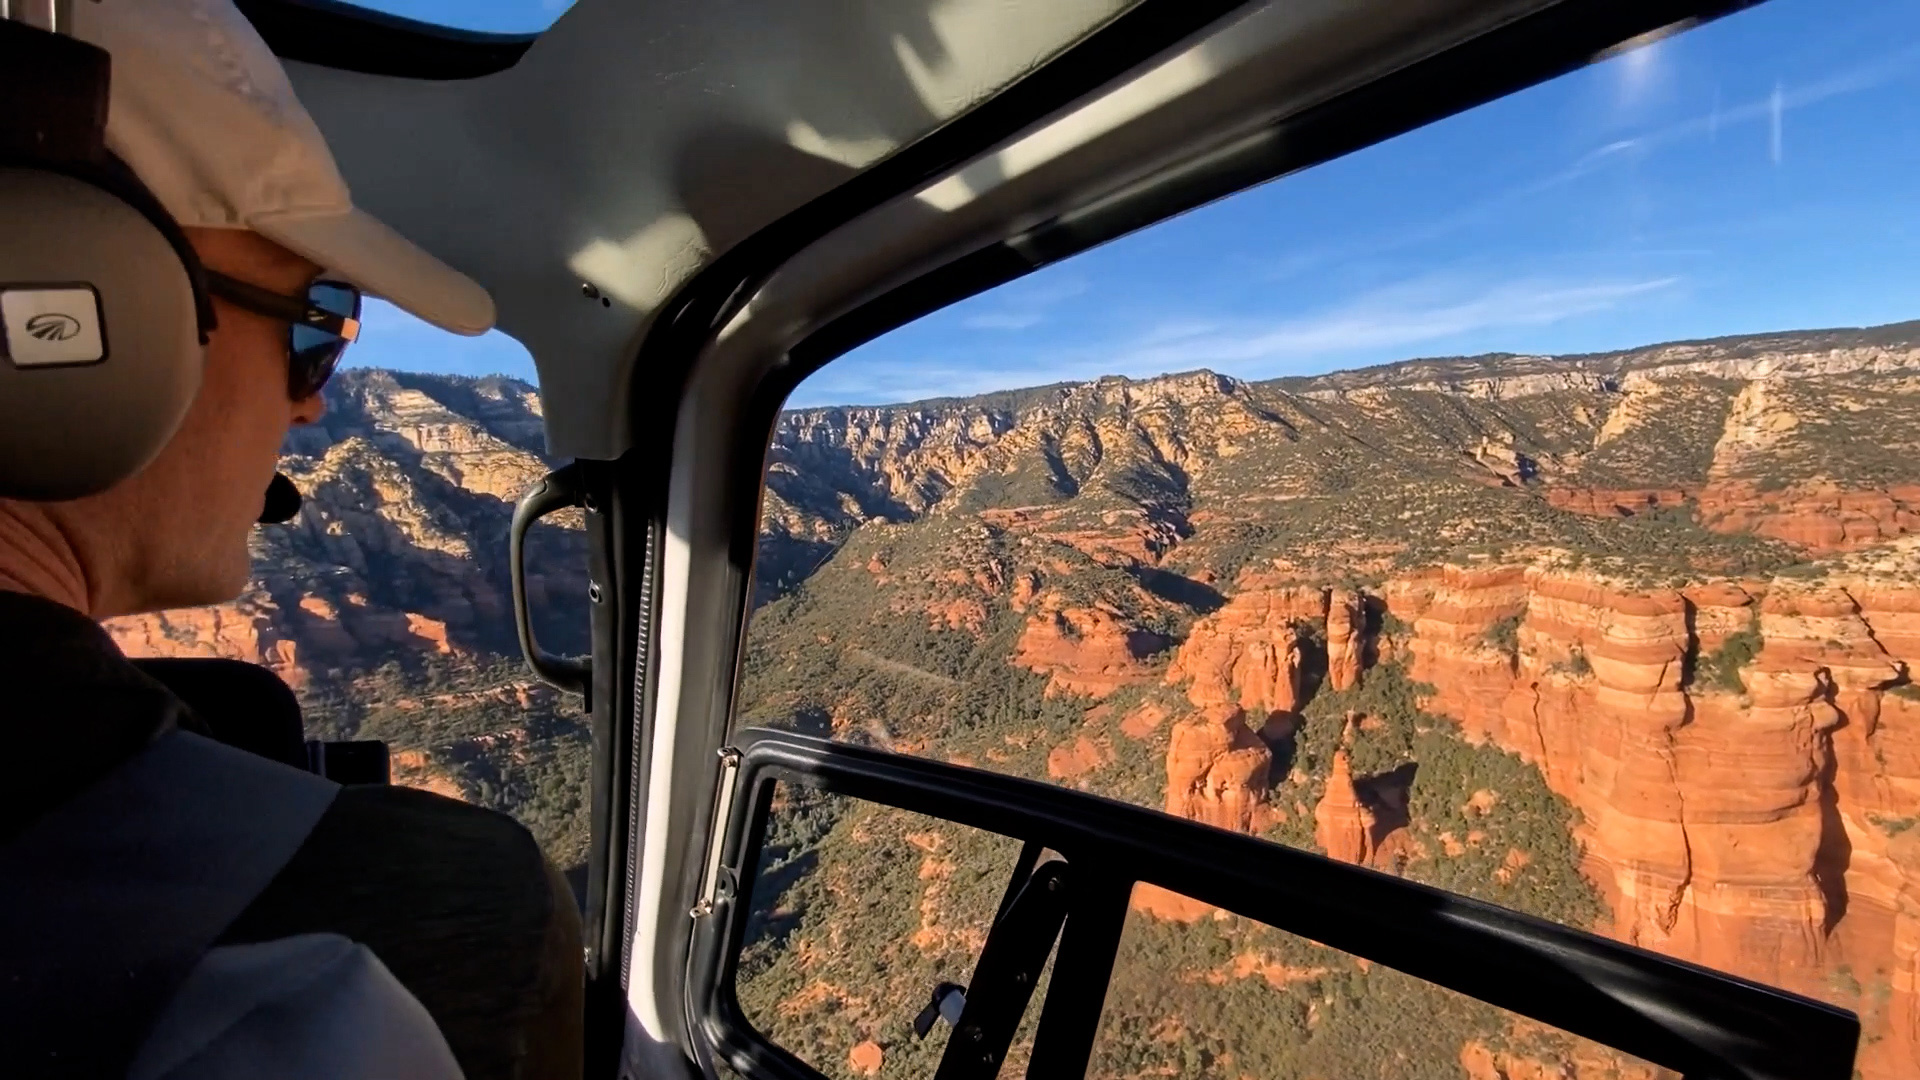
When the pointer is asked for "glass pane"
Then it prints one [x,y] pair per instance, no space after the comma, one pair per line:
[1200,993]
[859,912]
[385,604]
[491,16]
[1498,506]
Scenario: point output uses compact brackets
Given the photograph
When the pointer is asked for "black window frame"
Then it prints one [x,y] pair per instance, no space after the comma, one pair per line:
[1705,1024]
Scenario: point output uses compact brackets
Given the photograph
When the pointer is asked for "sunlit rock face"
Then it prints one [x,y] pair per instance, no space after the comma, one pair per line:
[1744,756]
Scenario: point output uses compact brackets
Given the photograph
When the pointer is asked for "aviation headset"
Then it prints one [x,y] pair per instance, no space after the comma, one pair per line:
[103,302]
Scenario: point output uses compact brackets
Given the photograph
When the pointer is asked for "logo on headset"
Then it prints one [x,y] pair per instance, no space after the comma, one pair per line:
[50,325]
[53,326]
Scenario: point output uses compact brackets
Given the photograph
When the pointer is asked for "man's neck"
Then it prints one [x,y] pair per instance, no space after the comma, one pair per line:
[38,558]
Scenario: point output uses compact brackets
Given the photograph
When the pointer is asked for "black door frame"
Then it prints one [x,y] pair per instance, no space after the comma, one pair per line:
[1705,1024]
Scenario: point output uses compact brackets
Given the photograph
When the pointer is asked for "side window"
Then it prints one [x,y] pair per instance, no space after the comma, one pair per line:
[1525,506]
[385,603]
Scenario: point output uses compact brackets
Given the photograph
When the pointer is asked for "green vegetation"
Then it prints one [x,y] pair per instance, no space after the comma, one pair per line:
[1518,812]
[858,912]
[1719,670]
[1387,704]
[1893,826]
[1576,664]
[1504,634]
[506,742]
[1179,1007]
[862,909]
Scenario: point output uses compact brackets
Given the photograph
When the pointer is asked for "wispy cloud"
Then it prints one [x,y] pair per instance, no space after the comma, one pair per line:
[1387,324]
[1025,303]
[1903,63]
[1403,316]
[862,380]
[1002,320]
[1770,110]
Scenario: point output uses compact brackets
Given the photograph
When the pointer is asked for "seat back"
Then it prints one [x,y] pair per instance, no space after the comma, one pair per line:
[243,705]
[248,707]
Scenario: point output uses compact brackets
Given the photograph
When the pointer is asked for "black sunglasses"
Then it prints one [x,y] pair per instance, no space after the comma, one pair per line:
[320,325]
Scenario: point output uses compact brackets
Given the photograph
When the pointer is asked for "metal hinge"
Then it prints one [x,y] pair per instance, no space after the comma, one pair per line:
[722,810]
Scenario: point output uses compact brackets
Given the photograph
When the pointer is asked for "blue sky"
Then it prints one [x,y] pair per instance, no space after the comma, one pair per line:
[496,16]
[1758,173]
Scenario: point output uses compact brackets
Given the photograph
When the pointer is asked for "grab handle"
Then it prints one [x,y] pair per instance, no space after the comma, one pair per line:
[560,489]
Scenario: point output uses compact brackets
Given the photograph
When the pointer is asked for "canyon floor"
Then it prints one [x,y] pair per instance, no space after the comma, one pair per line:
[1621,640]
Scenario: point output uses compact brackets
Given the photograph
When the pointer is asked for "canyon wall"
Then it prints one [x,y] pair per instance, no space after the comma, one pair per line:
[1743,756]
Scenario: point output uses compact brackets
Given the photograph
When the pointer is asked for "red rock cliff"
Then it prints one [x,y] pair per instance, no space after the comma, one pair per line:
[1753,817]
[1744,755]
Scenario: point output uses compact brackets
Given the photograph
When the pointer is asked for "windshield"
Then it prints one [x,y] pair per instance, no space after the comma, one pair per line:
[490,16]
[1526,506]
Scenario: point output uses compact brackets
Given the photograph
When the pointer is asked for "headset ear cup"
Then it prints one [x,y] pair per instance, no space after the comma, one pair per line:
[87,397]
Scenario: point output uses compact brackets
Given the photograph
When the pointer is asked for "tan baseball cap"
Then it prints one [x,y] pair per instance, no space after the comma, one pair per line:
[203,113]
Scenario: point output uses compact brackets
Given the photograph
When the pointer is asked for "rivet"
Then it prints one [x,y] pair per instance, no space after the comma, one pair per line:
[593,591]
[589,290]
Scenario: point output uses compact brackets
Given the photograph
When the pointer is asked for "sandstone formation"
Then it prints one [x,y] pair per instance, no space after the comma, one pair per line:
[1819,516]
[414,768]
[1343,826]
[248,629]
[1077,758]
[1347,639]
[1249,653]
[1217,770]
[1768,830]
[1084,650]
[1746,830]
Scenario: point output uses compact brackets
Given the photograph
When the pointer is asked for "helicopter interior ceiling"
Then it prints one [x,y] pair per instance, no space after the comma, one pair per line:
[633,145]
